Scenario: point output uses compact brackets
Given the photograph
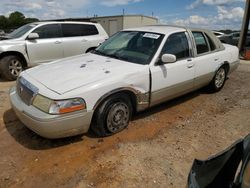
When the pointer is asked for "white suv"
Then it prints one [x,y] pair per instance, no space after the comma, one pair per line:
[42,42]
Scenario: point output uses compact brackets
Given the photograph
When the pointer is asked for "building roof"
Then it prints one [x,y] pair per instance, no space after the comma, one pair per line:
[125,15]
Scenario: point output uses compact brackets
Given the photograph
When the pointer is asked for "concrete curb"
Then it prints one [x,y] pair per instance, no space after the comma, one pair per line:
[244,62]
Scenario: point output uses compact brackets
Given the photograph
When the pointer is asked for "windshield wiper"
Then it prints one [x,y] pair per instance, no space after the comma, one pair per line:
[99,52]
[114,56]
[109,55]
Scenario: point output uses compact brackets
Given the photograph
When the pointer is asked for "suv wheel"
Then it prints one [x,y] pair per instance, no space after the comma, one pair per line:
[10,67]
[112,116]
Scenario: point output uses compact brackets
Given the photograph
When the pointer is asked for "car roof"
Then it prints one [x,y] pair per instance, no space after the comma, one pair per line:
[165,29]
[60,22]
[162,29]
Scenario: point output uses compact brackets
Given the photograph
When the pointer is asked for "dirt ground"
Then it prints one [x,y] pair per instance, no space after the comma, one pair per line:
[156,150]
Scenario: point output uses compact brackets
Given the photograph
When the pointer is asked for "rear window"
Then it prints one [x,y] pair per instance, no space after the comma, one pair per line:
[200,41]
[75,30]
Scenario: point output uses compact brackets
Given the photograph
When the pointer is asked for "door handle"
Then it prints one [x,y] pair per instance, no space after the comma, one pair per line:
[190,65]
[216,59]
[84,40]
[58,42]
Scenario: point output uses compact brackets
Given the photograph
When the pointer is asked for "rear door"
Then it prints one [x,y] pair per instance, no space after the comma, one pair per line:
[78,38]
[207,59]
[48,47]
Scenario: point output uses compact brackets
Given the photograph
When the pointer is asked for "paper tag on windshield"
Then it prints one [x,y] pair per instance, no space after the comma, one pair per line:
[151,35]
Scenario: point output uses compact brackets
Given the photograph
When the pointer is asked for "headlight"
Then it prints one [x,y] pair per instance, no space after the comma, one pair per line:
[58,106]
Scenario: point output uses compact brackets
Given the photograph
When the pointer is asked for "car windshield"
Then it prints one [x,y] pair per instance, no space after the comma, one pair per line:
[21,31]
[132,46]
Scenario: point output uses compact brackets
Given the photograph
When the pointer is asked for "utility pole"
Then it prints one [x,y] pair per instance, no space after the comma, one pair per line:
[244,28]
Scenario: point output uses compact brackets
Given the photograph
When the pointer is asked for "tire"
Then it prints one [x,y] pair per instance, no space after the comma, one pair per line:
[112,116]
[219,80]
[10,67]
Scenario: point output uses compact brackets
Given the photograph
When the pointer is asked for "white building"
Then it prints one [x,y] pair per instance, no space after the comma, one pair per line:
[113,24]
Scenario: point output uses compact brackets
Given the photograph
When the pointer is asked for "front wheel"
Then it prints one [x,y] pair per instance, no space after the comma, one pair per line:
[219,80]
[112,116]
[10,67]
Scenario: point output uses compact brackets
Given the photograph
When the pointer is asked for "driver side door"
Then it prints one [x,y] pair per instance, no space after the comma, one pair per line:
[48,47]
[173,79]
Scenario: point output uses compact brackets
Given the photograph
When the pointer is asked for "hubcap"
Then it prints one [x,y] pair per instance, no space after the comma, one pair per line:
[220,78]
[15,67]
[118,117]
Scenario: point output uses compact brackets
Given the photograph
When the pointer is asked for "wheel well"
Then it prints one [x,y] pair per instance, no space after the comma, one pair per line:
[226,65]
[92,48]
[18,54]
[130,94]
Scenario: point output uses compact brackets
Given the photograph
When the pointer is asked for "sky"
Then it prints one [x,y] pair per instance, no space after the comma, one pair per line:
[212,14]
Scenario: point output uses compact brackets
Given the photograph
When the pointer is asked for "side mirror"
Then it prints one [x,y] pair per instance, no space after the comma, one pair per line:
[33,36]
[168,58]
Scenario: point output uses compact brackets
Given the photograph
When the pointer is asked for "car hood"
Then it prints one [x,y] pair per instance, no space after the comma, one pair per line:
[6,41]
[71,73]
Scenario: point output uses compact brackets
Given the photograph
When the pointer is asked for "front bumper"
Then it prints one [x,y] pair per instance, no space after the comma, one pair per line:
[50,126]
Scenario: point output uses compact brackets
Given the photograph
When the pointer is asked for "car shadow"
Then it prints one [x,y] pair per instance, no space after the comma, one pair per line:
[31,140]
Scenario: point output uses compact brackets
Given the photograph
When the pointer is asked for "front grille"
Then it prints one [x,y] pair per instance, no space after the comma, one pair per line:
[26,90]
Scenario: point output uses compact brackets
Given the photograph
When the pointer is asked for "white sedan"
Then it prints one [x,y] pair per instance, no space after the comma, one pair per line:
[133,70]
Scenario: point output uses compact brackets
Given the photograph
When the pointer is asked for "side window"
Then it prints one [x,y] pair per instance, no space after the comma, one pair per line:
[76,30]
[89,30]
[211,43]
[201,44]
[177,44]
[48,31]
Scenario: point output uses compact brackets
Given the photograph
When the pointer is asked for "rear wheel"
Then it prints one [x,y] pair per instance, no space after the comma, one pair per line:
[112,116]
[219,79]
[10,67]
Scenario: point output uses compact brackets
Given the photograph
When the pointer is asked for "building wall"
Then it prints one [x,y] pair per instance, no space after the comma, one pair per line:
[108,23]
[137,21]
[113,24]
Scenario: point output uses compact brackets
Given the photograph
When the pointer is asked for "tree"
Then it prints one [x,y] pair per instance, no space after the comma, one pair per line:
[3,22]
[30,20]
[16,19]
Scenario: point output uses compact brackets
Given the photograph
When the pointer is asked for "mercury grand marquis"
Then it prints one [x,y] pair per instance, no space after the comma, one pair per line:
[133,70]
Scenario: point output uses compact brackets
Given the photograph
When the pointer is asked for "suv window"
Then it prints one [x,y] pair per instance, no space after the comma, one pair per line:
[48,31]
[201,44]
[211,43]
[177,44]
[76,30]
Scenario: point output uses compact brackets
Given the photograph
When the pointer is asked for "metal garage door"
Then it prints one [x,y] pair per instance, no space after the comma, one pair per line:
[112,27]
